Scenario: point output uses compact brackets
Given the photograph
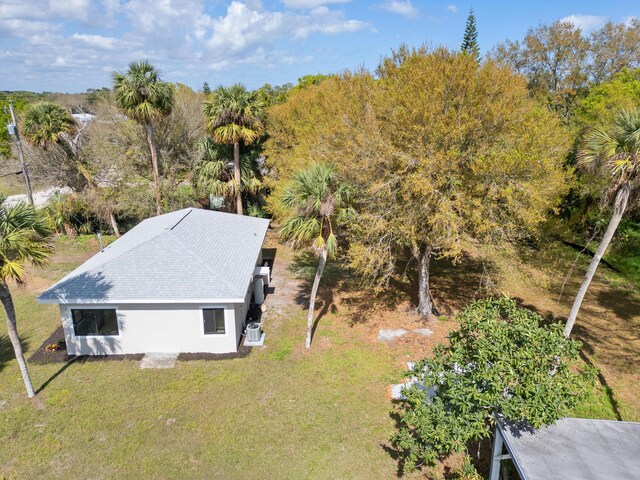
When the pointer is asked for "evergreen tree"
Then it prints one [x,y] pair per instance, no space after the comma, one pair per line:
[205,88]
[470,40]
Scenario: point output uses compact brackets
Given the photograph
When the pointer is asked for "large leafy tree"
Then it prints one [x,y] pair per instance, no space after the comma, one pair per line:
[24,239]
[465,157]
[503,361]
[554,58]
[142,95]
[317,203]
[445,153]
[614,151]
[235,116]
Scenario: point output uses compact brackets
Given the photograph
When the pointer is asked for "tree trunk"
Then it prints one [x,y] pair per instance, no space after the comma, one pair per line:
[312,298]
[622,197]
[7,303]
[425,307]
[114,224]
[154,165]
[236,176]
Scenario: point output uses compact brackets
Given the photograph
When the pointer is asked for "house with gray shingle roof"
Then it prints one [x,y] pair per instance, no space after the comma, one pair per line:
[179,282]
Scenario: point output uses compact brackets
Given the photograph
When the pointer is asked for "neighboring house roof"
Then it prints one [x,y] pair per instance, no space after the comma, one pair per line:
[188,255]
[574,448]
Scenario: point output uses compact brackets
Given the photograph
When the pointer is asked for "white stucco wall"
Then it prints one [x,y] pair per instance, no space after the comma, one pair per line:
[157,328]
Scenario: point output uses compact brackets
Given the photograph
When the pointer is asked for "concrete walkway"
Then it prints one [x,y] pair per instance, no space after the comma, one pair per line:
[159,360]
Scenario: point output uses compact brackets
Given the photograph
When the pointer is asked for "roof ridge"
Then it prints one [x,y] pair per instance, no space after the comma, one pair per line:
[197,258]
[188,211]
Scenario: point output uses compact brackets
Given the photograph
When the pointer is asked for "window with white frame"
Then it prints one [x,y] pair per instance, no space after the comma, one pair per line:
[213,319]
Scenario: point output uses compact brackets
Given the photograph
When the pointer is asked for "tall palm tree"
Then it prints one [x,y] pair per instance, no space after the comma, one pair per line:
[144,97]
[317,202]
[616,151]
[48,123]
[235,115]
[24,238]
[212,174]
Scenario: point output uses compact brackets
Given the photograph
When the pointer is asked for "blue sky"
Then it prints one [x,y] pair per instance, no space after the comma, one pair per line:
[72,45]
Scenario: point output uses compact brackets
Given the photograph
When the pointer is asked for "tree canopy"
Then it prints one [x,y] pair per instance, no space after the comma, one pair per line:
[444,152]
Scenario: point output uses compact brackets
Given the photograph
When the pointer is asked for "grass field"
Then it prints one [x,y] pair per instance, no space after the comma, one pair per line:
[282,411]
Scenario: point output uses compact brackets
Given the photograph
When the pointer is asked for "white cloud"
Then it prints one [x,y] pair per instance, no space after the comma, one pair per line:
[243,29]
[586,23]
[69,45]
[628,21]
[452,8]
[400,7]
[96,41]
[310,3]
[76,9]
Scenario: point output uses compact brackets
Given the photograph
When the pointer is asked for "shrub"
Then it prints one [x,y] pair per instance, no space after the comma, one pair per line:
[502,360]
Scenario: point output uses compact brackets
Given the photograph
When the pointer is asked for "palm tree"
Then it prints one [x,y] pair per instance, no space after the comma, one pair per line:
[24,238]
[235,115]
[144,97]
[212,174]
[48,123]
[615,150]
[317,203]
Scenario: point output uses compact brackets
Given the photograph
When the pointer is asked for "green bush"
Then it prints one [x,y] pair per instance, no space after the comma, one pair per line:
[502,360]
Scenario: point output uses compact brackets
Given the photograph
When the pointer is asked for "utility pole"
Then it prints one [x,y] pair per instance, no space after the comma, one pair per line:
[13,130]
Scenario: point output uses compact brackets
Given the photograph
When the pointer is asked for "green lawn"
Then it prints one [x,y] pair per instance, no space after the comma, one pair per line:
[282,411]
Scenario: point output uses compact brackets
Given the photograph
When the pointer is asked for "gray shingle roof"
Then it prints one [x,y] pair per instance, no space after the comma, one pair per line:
[575,448]
[187,255]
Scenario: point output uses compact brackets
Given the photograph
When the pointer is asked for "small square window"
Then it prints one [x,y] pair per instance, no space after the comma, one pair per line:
[213,321]
[95,321]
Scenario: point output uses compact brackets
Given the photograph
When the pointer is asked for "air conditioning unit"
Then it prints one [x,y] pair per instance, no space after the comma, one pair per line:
[254,332]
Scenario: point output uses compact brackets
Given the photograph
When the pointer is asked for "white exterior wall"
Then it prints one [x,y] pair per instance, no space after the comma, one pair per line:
[169,328]
[242,309]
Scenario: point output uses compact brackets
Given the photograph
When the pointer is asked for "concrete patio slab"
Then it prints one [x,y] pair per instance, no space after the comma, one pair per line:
[159,360]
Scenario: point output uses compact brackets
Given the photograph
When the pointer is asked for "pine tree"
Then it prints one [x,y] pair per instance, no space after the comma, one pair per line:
[470,40]
[205,88]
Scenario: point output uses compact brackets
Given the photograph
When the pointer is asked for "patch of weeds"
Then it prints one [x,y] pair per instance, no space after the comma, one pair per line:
[597,405]
[281,352]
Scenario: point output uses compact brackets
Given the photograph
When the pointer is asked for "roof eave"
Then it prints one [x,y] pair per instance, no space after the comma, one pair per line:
[144,301]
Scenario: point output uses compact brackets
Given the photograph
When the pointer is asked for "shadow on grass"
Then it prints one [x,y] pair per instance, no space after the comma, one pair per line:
[58,373]
[622,304]
[615,406]
[453,286]
[6,350]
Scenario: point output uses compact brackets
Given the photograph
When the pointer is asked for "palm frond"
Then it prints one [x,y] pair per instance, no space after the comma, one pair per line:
[615,150]
[46,122]
[24,238]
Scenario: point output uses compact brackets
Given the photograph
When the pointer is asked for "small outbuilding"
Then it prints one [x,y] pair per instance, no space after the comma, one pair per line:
[179,282]
[571,449]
